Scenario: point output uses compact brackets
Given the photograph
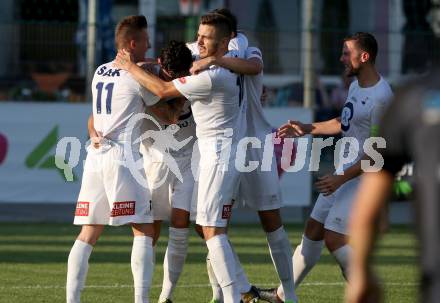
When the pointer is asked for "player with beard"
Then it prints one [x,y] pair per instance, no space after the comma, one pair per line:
[259,189]
[367,100]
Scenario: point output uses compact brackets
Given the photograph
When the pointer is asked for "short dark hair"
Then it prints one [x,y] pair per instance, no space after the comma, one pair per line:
[220,22]
[366,42]
[128,29]
[229,15]
[176,58]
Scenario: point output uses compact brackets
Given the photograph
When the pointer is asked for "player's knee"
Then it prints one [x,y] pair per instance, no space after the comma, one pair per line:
[199,231]
[90,234]
[144,229]
[270,220]
[181,220]
[333,240]
[314,230]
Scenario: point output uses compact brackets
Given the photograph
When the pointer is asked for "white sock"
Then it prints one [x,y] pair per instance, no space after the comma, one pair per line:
[216,289]
[142,267]
[306,255]
[77,267]
[342,255]
[242,281]
[223,263]
[175,256]
[281,253]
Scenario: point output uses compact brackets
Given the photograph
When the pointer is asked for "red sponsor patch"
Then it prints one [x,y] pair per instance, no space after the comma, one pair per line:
[227,210]
[125,208]
[82,209]
[182,80]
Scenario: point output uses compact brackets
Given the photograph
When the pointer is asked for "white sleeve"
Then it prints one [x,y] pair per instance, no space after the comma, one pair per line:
[239,43]
[148,97]
[253,52]
[196,87]
[193,48]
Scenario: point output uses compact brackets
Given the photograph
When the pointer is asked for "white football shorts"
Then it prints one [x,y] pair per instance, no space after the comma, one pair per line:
[260,190]
[217,185]
[167,191]
[334,210]
[110,194]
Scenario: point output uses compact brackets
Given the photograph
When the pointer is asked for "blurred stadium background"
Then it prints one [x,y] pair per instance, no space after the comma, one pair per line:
[51,46]
[44,96]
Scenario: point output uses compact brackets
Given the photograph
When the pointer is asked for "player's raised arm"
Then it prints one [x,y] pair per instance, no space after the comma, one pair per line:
[252,66]
[157,86]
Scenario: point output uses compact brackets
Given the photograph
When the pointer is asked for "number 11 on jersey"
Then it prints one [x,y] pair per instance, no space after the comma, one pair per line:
[108,99]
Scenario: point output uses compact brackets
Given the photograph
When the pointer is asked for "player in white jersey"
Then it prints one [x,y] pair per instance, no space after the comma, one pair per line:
[367,99]
[171,193]
[259,189]
[171,197]
[110,194]
[215,100]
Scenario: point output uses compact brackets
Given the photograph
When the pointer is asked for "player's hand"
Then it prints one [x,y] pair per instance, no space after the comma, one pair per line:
[200,65]
[328,184]
[96,141]
[123,60]
[362,288]
[293,129]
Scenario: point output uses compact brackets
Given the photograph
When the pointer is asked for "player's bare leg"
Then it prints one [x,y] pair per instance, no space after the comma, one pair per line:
[176,252]
[280,251]
[78,262]
[157,228]
[338,246]
[142,264]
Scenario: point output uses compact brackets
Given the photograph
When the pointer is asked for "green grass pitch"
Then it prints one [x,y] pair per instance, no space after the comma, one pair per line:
[33,265]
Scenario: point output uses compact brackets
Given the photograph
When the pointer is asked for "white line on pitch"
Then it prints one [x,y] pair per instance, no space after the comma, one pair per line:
[195,285]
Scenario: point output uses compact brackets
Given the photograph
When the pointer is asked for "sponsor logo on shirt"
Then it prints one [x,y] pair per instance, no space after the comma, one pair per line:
[182,80]
[227,210]
[82,209]
[125,208]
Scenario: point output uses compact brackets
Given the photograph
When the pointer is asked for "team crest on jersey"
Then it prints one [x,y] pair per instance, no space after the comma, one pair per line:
[346,116]
[82,209]
[182,80]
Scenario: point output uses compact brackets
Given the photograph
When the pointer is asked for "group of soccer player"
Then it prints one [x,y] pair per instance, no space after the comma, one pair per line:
[195,104]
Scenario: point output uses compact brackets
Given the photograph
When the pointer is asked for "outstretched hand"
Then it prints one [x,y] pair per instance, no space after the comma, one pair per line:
[123,60]
[293,129]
